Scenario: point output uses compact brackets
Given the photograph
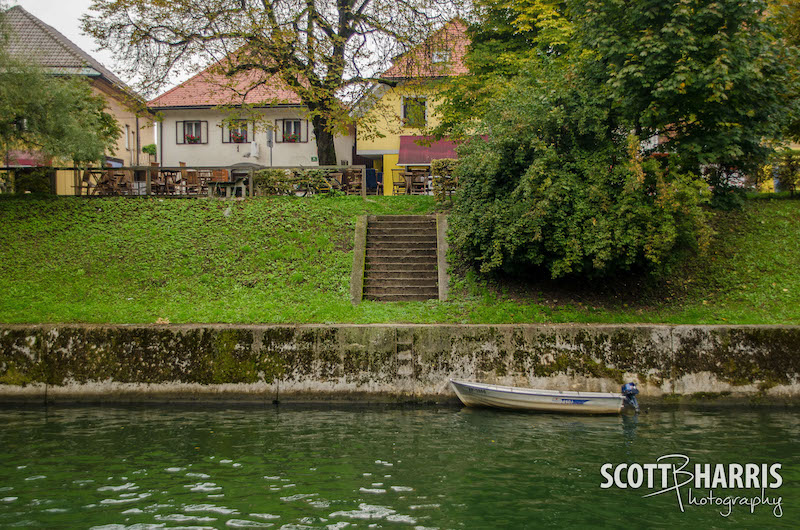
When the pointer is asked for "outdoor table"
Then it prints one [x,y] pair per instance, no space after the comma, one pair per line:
[168,180]
[228,187]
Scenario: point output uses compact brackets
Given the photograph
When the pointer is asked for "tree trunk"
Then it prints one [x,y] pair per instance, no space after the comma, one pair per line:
[326,150]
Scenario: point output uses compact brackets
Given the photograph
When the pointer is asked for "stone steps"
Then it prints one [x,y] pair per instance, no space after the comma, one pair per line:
[400,252]
[372,219]
[400,232]
[400,274]
[401,262]
[400,245]
[429,282]
[380,266]
[401,296]
[405,239]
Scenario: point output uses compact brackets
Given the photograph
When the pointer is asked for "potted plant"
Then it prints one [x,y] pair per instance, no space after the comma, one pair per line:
[292,138]
[237,137]
[191,139]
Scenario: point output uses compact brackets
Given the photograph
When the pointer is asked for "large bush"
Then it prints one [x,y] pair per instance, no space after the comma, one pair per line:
[560,187]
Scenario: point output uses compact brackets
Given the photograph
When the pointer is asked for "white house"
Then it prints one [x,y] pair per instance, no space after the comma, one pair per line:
[193,128]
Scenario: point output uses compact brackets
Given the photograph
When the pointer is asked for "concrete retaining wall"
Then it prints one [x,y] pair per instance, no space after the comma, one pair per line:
[392,363]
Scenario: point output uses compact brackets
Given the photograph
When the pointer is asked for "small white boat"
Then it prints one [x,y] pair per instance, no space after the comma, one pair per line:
[516,398]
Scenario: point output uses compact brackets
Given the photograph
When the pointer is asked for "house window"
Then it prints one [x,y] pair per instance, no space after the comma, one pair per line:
[414,112]
[440,57]
[235,133]
[191,132]
[291,131]
[128,137]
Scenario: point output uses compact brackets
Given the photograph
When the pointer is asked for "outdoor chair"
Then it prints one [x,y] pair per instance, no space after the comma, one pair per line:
[399,186]
[86,181]
[374,186]
[419,182]
[352,181]
[124,182]
[219,175]
[191,179]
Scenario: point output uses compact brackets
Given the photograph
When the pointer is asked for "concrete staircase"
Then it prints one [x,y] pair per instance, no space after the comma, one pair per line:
[401,258]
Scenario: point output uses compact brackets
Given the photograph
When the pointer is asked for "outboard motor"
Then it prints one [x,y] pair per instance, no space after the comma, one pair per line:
[629,390]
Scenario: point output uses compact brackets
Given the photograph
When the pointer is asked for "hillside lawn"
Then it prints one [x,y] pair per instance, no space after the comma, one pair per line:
[288,260]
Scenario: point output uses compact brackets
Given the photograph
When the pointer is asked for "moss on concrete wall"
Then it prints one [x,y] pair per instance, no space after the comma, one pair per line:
[402,360]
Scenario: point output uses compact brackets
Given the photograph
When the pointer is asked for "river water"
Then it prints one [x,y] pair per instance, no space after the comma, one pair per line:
[321,467]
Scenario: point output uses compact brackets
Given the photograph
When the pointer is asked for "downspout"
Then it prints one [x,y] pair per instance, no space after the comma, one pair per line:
[161,143]
[138,140]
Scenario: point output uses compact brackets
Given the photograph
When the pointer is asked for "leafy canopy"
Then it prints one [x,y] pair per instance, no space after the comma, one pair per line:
[557,186]
[712,76]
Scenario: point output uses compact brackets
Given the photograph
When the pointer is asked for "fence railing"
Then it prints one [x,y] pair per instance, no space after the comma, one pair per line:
[188,181]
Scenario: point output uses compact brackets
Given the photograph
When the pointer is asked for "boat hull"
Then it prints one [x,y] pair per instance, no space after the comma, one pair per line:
[515,398]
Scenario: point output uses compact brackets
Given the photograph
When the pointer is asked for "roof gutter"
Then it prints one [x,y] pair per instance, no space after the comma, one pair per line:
[212,107]
[161,142]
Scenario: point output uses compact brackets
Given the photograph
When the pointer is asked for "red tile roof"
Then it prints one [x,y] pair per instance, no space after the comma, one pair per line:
[419,62]
[211,88]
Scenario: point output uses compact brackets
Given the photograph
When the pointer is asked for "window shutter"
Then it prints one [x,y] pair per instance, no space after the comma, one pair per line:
[203,132]
[226,137]
[179,137]
[278,131]
[304,131]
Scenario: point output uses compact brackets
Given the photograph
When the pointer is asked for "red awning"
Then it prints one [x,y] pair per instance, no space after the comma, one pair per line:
[18,157]
[413,154]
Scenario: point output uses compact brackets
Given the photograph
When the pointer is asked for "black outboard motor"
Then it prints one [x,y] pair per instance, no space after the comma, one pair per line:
[629,390]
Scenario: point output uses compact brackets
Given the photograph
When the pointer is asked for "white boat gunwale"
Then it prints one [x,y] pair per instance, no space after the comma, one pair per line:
[536,391]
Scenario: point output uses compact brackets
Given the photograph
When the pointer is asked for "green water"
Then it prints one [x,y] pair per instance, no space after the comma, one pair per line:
[289,467]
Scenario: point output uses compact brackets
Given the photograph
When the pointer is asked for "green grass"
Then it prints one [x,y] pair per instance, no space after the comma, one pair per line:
[288,260]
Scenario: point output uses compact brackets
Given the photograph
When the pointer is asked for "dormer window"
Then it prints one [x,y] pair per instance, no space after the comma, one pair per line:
[440,57]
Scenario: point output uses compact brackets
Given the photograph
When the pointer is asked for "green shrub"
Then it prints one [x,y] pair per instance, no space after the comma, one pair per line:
[789,171]
[271,182]
[35,180]
[444,184]
[559,188]
[443,166]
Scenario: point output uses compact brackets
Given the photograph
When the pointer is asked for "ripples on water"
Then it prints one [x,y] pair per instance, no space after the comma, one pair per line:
[162,467]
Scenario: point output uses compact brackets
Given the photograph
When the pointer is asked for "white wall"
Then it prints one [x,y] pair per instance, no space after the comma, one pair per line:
[217,153]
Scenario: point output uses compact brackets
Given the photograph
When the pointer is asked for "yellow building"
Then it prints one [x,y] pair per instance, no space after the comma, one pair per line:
[34,40]
[394,134]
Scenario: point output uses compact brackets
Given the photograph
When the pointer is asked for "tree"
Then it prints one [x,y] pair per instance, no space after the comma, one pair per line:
[787,12]
[506,38]
[58,116]
[559,186]
[788,164]
[787,15]
[711,76]
[563,182]
[321,49]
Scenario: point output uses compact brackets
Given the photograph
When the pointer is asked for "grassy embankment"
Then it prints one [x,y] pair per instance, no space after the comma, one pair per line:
[287,260]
